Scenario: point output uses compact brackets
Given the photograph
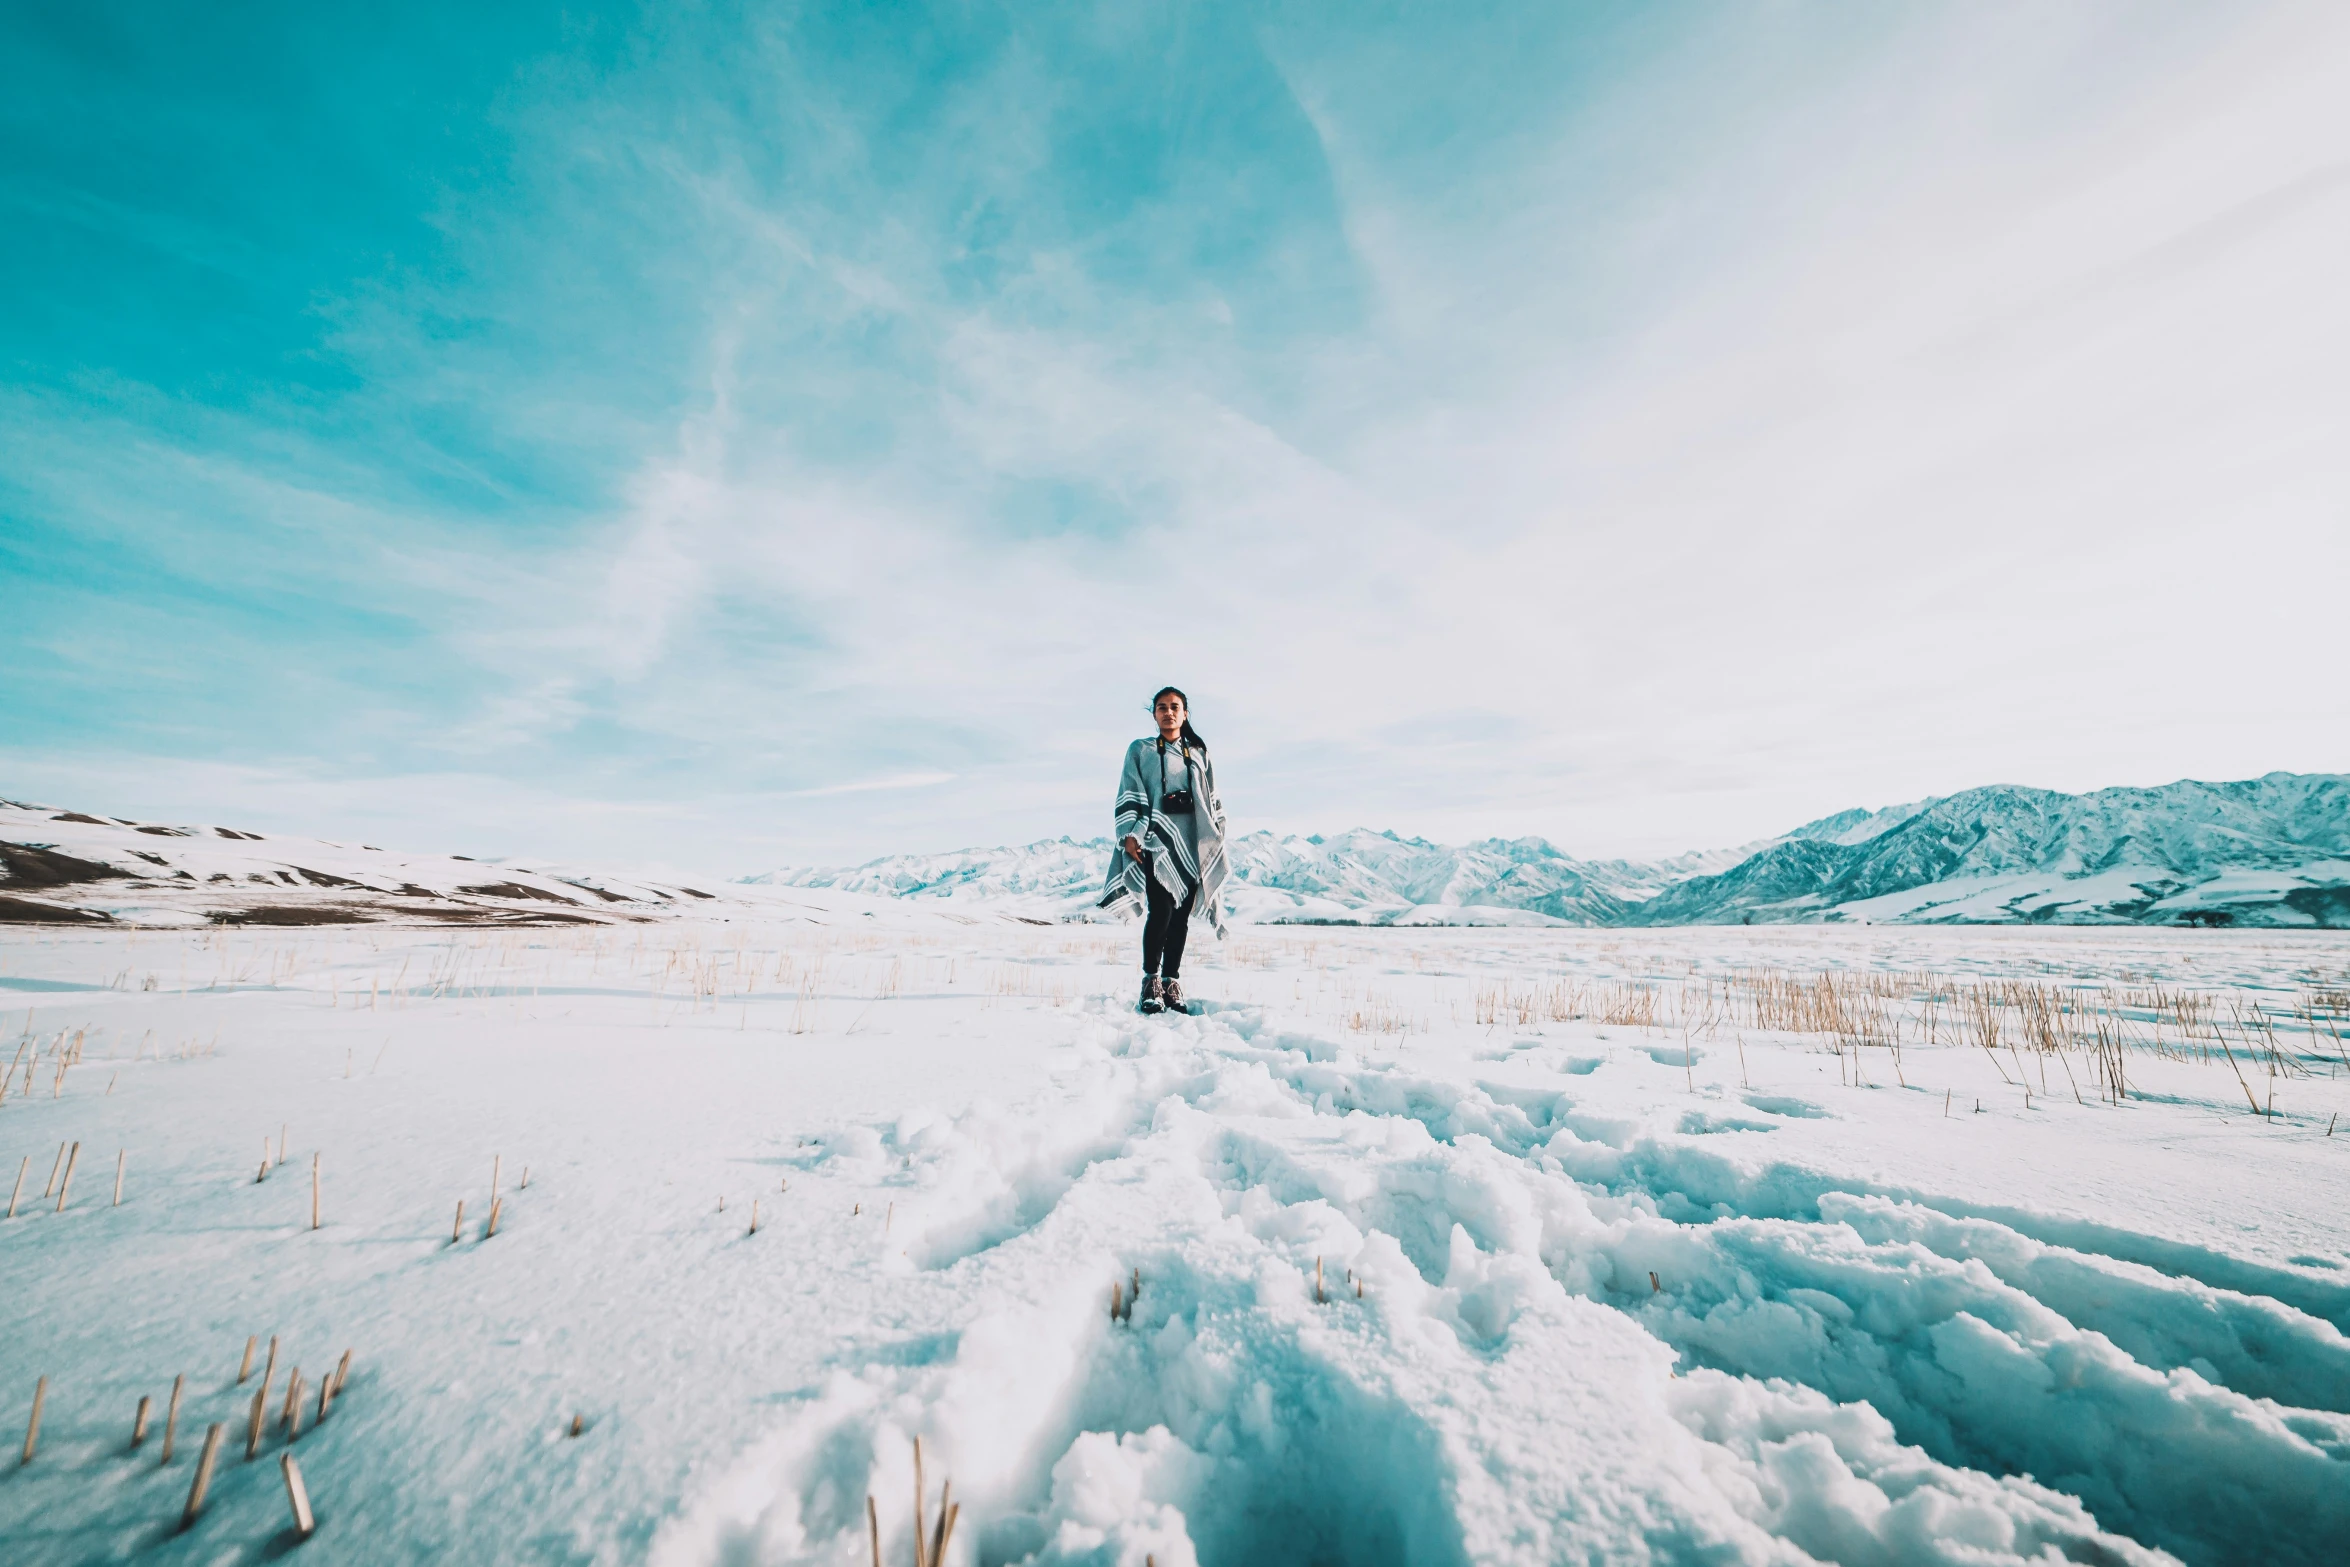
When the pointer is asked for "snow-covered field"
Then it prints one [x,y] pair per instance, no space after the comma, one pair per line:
[1716,1245]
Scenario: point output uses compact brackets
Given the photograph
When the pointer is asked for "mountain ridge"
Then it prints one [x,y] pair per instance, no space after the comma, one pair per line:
[2270,851]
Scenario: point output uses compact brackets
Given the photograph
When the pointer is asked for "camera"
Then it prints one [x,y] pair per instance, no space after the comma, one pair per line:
[1176,800]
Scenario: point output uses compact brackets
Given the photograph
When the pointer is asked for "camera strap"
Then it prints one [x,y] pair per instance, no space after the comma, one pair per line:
[1183,751]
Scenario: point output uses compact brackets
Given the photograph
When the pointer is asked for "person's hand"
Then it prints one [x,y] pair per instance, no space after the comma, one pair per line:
[1133,849]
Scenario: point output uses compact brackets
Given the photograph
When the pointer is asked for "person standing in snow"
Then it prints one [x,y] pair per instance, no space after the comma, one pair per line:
[1169,862]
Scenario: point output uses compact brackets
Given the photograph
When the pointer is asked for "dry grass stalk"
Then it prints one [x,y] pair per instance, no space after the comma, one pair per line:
[269,1371]
[22,1165]
[256,1418]
[292,1410]
[139,1420]
[314,1191]
[497,1205]
[2239,1071]
[1654,1285]
[1319,1297]
[245,1366]
[754,1216]
[120,1155]
[326,1397]
[930,1540]
[578,1424]
[457,1230]
[66,1190]
[342,1372]
[203,1483]
[50,1185]
[948,1511]
[32,1430]
[297,1495]
[171,1417]
[921,1557]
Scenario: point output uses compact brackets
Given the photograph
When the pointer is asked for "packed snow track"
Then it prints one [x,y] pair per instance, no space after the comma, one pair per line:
[1541,1335]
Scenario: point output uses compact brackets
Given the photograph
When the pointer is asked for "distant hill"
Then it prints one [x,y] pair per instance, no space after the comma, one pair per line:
[71,868]
[2271,851]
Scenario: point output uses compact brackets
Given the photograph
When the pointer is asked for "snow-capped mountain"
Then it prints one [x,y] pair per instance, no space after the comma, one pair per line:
[2271,851]
[1053,871]
[1354,878]
[2265,851]
[1378,878]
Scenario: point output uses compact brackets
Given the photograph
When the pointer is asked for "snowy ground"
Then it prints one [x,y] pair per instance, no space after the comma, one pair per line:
[1632,1247]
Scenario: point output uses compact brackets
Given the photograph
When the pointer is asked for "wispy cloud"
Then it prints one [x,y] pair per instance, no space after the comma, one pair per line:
[1644,432]
[872,786]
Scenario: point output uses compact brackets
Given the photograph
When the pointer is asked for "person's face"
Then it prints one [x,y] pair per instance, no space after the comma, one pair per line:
[1169,713]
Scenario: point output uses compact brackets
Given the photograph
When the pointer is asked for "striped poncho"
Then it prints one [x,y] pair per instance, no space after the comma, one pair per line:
[1138,815]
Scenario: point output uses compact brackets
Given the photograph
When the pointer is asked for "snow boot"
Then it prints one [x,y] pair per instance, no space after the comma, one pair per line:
[1153,999]
[1171,992]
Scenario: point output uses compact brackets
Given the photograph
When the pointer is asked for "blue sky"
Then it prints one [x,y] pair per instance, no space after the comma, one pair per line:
[729,436]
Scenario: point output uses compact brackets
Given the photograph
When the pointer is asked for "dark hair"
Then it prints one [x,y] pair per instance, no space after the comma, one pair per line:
[1190,735]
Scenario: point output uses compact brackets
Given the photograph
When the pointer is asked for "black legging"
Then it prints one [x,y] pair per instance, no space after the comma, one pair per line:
[1164,927]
